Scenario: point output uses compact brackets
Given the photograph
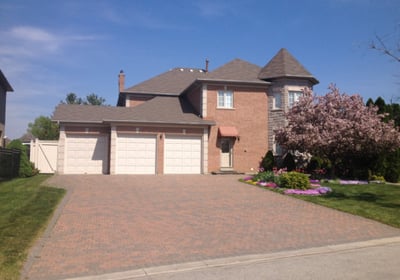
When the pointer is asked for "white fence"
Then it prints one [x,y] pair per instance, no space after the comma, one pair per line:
[44,155]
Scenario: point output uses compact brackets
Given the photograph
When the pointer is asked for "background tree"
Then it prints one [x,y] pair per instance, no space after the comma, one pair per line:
[340,128]
[72,98]
[91,99]
[391,111]
[44,129]
[380,45]
[388,164]
[94,99]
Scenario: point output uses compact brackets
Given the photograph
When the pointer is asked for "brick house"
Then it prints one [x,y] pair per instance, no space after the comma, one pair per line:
[4,88]
[184,121]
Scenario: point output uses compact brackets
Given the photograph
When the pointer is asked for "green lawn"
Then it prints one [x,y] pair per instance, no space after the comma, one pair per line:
[380,202]
[25,209]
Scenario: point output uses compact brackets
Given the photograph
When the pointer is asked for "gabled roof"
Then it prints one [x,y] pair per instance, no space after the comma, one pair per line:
[4,83]
[175,81]
[160,109]
[172,82]
[236,70]
[284,65]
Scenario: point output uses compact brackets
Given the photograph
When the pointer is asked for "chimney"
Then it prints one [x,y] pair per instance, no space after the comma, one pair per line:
[121,80]
[207,61]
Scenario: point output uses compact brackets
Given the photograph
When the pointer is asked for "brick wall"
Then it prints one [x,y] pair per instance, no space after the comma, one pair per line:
[134,100]
[249,116]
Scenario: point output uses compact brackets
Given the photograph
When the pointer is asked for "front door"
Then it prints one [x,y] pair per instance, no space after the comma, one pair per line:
[226,153]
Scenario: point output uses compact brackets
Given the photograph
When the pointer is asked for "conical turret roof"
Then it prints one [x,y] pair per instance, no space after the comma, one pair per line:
[285,65]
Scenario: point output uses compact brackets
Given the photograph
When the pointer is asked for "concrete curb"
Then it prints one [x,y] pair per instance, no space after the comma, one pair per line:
[239,260]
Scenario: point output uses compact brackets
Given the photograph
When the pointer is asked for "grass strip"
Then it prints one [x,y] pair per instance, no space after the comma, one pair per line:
[25,209]
[380,202]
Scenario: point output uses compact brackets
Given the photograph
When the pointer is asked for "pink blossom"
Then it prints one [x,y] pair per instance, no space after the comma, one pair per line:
[352,182]
[335,125]
[318,191]
[271,185]
[267,184]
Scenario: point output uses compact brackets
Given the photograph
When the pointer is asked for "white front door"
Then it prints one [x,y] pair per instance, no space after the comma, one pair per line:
[226,153]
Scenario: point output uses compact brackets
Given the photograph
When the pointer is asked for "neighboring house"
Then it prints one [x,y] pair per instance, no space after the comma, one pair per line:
[184,121]
[4,88]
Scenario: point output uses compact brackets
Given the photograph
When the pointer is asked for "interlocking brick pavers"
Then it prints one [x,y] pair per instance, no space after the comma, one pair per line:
[117,223]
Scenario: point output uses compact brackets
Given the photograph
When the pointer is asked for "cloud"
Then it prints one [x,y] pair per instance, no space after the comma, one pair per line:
[32,59]
[32,34]
[31,41]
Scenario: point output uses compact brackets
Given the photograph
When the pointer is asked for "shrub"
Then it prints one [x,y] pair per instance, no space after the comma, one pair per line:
[314,164]
[376,178]
[289,162]
[386,164]
[25,166]
[319,167]
[268,161]
[392,172]
[294,180]
[266,176]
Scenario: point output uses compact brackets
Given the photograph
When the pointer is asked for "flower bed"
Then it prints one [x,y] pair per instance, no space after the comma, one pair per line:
[317,191]
[316,188]
[353,182]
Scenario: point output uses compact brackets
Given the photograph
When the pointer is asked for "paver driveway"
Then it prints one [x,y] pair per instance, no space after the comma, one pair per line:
[117,223]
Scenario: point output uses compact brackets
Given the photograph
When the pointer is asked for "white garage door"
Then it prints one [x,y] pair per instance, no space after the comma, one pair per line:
[182,155]
[136,154]
[86,154]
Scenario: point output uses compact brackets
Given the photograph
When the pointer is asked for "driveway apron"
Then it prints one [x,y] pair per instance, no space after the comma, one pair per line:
[109,223]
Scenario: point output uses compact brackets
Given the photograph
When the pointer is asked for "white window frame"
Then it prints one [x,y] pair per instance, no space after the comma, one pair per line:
[225,99]
[294,96]
[277,101]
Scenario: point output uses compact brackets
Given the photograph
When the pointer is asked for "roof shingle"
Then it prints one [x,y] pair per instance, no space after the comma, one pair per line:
[172,82]
[283,64]
[160,109]
[4,82]
[236,70]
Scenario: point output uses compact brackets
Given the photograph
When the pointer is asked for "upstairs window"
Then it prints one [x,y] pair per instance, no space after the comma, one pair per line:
[225,99]
[294,96]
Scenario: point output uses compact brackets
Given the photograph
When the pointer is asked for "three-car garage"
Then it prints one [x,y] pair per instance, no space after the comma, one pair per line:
[132,154]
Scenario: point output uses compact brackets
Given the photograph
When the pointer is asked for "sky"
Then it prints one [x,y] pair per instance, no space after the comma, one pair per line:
[51,48]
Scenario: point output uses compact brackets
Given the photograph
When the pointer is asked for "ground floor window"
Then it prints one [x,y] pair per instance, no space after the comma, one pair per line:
[276,148]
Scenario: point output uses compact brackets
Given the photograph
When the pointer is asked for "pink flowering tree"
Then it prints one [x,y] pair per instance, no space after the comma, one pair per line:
[337,126]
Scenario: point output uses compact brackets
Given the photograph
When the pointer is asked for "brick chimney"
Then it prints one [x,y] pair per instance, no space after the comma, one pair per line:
[121,81]
[207,62]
